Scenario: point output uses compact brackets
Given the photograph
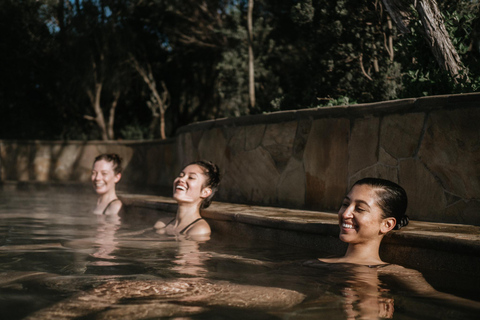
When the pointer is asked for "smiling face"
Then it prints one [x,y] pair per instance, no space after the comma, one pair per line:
[189,185]
[104,177]
[360,218]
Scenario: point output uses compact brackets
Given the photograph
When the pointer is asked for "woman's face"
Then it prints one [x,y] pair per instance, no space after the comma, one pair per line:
[103,177]
[359,217]
[188,186]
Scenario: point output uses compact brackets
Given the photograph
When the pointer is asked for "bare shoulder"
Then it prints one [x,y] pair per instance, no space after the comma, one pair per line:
[162,223]
[199,228]
[114,207]
[395,269]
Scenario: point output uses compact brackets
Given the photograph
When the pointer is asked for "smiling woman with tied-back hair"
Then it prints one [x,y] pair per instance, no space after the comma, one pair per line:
[106,172]
[372,208]
[193,190]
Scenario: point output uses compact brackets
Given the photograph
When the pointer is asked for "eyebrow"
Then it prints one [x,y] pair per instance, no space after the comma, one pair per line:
[190,173]
[360,201]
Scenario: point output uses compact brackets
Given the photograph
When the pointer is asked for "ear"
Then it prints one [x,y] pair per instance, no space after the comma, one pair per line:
[118,176]
[388,224]
[206,192]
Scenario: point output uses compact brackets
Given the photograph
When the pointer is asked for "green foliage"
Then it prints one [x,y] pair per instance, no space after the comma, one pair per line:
[308,53]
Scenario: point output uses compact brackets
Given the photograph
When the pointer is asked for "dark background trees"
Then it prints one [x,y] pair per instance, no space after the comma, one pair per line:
[139,69]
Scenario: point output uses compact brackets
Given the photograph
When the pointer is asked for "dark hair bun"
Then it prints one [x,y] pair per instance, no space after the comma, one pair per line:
[402,223]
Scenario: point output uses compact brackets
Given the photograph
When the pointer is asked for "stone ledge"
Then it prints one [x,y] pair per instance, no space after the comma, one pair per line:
[408,105]
[452,238]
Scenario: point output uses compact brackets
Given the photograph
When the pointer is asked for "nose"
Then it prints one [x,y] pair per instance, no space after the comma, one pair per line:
[179,179]
[347,212]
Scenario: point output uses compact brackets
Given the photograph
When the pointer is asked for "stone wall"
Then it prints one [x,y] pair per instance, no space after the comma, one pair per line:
[148,166]
[300,159]
[310,158]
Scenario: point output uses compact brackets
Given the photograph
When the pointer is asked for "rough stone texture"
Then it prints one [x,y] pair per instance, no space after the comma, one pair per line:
[251,176]
[186,151]
[378,171]
[42,162]
[385,158]
[291,188]
[426,199]
[400,134]
[254,136]
[23,162]
[301,137]
[237,142]
[363,144]
[451,149]
[302,158]
[278,141]
[326,162]
[213,147]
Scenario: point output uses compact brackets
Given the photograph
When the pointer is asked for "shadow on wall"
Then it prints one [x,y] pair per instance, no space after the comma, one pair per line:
[147,166]
[298,159]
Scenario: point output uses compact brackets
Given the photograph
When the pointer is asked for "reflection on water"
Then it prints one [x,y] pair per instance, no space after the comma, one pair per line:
[57,260]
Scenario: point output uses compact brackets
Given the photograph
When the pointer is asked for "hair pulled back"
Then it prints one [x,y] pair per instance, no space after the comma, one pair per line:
[212,172]
[111,157]
[392,199]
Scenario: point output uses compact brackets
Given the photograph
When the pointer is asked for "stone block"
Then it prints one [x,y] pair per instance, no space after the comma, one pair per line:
[385,158]
[291,187]
[278,140]
[186,152]
[400,134]
[66,157]
[463,212]
[326,163]
[426,197]
[254,136]
[251,176]
[42,162]
[22,164]
[237,141]
[213,147]
[301,137]
[363,144]
[451,150]
[376,171]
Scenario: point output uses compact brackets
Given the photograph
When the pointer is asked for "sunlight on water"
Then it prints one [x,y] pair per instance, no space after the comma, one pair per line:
[57,260]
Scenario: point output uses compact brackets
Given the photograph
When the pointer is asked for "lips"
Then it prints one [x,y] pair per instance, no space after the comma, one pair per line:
[182,188]
[347,226]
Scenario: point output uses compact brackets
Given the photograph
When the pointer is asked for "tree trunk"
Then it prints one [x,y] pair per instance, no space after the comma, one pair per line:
[435,34]
[158,101]
[111,118]
[251,73]
[437,37]
[95,102]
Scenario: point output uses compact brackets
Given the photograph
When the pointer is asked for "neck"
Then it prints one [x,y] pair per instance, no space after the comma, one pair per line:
[363,253]
[106,198]
[188,212]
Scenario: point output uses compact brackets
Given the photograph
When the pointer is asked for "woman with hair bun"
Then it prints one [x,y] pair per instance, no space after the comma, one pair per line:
[371,209]
[193,190]
[106,172]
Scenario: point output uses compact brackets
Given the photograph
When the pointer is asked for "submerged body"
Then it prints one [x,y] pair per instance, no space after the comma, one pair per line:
[373,208]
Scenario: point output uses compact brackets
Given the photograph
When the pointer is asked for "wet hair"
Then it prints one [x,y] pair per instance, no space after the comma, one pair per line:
[212,172]
[111,157]
[392,199]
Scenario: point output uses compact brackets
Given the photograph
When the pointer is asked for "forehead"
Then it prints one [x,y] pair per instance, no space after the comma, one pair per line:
[102,165]
[193,168]
[363,193]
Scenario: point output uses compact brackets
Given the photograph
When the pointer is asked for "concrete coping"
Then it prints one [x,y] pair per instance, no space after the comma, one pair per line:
[452,238]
